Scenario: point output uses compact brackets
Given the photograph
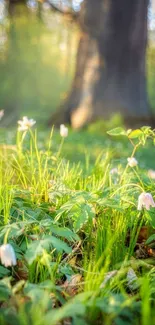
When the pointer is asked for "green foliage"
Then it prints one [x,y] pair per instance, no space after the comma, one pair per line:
[117,131]
[37,248]
[74,228]
[27,51]
[79,209]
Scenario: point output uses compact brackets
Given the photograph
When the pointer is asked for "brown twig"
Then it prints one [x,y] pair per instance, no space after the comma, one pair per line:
[69,13]
[73,251]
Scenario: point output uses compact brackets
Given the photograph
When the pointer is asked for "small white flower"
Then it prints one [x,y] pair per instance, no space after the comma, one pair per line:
[114,171]
[63,131]
[7,255]
[25,124]
[151,173]
[145,200]
[1,113]
[132,162]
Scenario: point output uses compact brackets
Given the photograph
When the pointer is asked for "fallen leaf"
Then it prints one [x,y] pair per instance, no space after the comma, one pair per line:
[71,286]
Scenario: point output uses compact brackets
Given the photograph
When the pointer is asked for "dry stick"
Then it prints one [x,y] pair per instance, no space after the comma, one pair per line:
[83,270]
[73,251]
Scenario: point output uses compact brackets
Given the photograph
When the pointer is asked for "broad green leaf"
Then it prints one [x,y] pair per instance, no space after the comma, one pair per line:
[71,309]
[36,291]
[4,293]
[3,271]
[5,289]
[79,321]
[111,203]
[82,215]
[117,131]
[151,217]
[64,232]
[14,230]
[37,247]
[60,245]
[150,239]
[135,134]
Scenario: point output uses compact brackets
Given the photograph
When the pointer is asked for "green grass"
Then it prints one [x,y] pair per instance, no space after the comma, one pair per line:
[71,222]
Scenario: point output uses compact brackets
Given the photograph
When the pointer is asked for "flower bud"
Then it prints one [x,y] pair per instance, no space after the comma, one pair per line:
[145,200]
[132,162]
[151,173]
[7,255]
[63,131]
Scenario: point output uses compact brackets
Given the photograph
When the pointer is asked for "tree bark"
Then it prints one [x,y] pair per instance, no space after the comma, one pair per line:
[110,74]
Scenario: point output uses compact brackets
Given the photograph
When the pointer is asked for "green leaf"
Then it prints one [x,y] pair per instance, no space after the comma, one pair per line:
[150,239]
[117,131]
[5,289]
[146,129]
[83,213]
[37,248]
[70,309]
[13,230]
[151,217]
[135,134]
[112,203]
[60,245]
[65,232]
[3,271]
[36,291]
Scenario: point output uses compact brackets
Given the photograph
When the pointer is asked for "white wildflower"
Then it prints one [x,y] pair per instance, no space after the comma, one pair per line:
[145,200]
[132,162]
[1,113]
[132,279]
[25,124]
[63,131]
[7,255]
[114,171]
[151,173]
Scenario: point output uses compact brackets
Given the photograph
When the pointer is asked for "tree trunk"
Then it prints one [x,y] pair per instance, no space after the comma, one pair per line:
[110,74]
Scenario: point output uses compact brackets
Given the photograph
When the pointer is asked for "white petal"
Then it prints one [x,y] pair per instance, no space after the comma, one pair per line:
[7,255]
[151,173]
[63,131]
[145,200]
[26,123]
[132,162]
[114,171]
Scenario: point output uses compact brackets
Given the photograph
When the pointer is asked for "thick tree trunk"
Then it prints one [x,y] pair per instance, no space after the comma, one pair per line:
[110,74]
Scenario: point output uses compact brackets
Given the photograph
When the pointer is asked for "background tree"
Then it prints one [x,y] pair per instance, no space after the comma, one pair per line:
[110,73]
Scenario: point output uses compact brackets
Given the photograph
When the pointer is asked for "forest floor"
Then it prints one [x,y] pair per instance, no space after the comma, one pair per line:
[82,235]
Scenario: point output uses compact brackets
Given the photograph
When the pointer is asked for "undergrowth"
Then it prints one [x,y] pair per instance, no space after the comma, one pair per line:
[85,253]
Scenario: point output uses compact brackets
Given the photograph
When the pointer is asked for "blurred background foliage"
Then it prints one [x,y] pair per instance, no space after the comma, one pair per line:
[37,58]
